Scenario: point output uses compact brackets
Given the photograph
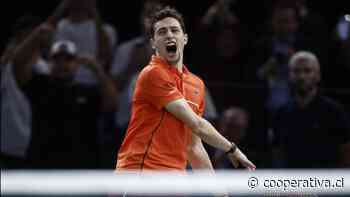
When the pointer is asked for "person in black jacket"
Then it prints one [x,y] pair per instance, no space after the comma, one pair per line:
[312,130]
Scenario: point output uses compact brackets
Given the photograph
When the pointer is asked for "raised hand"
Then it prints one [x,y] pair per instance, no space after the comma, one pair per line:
[90,63]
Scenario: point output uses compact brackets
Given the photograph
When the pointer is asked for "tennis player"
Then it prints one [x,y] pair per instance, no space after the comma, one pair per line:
[166,128]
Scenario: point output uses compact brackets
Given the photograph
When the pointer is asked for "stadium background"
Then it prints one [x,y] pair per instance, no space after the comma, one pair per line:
[116,12]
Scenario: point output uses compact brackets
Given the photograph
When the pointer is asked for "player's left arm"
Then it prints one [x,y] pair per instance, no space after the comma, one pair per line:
[197,155]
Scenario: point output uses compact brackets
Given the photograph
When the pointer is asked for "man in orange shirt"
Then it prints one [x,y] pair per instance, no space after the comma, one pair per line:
[166,127]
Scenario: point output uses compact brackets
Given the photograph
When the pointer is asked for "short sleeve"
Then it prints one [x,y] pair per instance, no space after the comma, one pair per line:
[158,88]
[205,99]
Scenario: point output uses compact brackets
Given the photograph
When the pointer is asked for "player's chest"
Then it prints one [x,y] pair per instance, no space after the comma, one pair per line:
[191,92]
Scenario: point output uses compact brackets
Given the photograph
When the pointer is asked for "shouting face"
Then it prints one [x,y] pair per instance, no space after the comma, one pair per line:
[169,40]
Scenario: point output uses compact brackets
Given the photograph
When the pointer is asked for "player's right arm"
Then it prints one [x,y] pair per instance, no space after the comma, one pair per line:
[159,89]
[205,130]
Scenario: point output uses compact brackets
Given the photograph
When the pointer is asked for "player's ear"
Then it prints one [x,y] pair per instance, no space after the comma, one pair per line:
[185,39]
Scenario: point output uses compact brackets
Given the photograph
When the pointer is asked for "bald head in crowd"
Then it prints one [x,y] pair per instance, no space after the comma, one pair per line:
[304,73]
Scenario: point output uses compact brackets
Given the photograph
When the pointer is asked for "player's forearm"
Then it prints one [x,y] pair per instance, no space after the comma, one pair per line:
[210,135]
[201,127]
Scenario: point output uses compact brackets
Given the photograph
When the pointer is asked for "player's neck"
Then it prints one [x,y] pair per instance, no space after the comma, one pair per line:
[179,65]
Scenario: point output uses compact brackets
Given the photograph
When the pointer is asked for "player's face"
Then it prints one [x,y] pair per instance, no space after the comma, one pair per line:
[169,40]
[304,76]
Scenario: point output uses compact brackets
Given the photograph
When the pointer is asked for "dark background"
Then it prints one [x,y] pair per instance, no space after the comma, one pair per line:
[124,15]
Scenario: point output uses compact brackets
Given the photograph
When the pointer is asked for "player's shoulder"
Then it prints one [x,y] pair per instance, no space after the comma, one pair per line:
[196,79]
[153,72]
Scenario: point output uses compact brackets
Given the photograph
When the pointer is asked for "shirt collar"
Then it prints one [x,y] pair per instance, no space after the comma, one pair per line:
[157,60]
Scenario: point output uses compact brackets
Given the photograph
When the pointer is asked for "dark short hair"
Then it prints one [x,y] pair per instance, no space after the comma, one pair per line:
[164,13]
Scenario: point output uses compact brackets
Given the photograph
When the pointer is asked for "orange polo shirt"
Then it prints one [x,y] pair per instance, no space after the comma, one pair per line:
[155,139]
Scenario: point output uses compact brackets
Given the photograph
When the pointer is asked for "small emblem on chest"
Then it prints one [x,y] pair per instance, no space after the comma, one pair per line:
[196,92]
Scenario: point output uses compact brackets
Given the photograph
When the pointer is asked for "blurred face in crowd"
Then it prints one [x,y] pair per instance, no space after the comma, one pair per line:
[234,123]
[284,21]
[169,40]
[304,75]
[64,65]
[227,43]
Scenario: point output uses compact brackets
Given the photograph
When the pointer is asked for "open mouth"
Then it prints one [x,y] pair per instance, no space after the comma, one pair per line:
[171,48]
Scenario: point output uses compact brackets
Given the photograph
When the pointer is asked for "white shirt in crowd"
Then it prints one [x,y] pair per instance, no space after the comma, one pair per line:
[16,114]
[84,36]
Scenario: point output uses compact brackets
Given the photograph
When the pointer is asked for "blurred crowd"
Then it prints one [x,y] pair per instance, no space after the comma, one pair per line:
[280,90]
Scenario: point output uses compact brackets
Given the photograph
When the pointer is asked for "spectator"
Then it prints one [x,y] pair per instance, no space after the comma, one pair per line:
[289,33]
[15,108]
[82,24]
[94,38]
[22,27]
[220,60]
[123,66]
[311,130]
[65,113]
[311,25]
[278,48]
